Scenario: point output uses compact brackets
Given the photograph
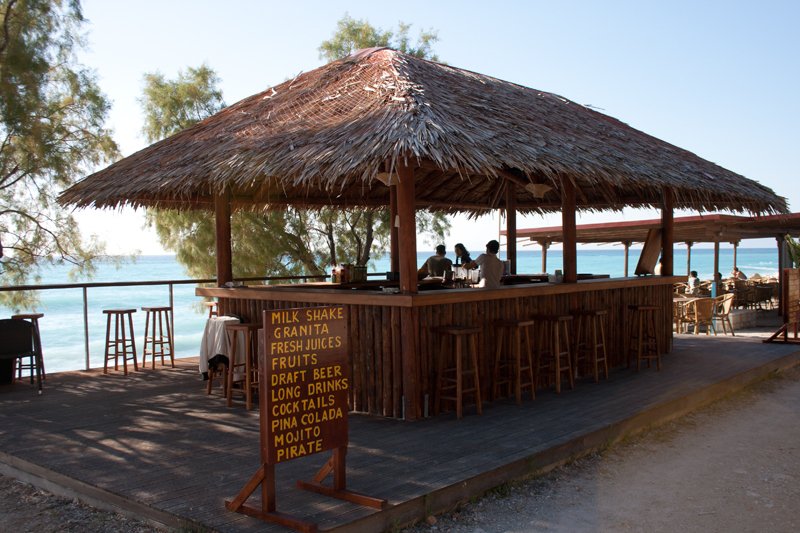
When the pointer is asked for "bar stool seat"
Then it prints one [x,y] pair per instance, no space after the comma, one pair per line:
[553,347]
[451,369]
[643,341]
[31,364]
[124,342]
[244,372]
[590,341]
[513,364]
[155,342]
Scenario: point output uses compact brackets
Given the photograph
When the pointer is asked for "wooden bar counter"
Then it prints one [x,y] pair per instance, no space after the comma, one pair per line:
[376,326]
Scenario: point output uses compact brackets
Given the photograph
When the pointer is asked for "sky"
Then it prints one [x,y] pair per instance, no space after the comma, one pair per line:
[718,78]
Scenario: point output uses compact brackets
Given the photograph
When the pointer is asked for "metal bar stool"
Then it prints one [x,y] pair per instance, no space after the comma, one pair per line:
[154,339]
[124,343]
[511,362]
[590,341]
[31,364]
[247,369]
[450,379]
[643,341]
[552,347]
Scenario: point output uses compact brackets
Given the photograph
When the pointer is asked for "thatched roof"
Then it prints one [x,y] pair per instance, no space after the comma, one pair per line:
[327,136]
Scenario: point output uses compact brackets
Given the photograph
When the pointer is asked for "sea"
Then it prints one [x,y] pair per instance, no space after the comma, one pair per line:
[62,328]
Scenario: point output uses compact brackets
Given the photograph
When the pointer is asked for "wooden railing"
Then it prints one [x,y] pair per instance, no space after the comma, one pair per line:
[170,283]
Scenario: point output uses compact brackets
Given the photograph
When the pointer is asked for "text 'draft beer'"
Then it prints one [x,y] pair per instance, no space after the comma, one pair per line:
[306,381]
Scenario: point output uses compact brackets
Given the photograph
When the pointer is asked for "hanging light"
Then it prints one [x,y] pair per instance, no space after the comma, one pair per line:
[386,178]
[538,190]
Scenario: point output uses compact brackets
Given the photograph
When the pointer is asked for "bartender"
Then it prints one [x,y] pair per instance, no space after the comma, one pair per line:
[436,265]
[491,267]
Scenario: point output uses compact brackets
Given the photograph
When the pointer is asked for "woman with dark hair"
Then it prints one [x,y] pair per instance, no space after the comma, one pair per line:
[462,255]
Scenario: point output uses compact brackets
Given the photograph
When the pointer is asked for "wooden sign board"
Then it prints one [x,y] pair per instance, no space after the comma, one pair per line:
[650,253]
[303,389]
[305,382]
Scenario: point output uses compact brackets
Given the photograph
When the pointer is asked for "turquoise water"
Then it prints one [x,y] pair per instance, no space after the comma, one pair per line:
[63,332]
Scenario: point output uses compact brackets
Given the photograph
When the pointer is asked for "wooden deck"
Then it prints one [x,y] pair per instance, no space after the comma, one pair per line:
[154,445]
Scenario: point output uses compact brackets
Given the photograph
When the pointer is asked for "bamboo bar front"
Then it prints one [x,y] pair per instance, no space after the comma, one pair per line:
[386,383]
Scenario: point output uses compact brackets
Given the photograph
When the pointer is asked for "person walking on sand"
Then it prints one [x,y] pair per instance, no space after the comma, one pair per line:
[491,267]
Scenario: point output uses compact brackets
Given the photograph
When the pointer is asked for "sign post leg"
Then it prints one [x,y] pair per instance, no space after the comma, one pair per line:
[336,465]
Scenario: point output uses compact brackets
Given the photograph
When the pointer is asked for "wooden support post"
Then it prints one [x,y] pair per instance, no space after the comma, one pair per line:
[511,227]
[407,232]
[781,240]
[222,213]
[627,245]
[545,246]
[689,257]
[393,235]
[667,234]
[570,230]
[735,250]
[716,268]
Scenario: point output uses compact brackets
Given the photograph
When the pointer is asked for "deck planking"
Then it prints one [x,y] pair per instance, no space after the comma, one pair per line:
[154,437]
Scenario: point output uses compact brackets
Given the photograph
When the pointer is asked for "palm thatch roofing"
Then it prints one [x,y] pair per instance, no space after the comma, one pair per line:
[703,228]
[335,135]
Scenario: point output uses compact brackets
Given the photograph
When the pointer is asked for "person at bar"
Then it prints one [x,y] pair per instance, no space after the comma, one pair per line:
[491,267]
[437,264]
[738,274]
[462,255]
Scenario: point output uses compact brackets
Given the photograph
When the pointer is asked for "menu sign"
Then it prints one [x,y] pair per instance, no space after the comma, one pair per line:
[304,381]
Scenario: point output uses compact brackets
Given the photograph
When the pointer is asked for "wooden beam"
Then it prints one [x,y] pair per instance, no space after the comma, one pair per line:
[716,268]
[407,232]
[569,226]
[393,236]
[627,245]
[735,250]
[667,233]
[222,214]
[689,257]
[511,226]
[545,246]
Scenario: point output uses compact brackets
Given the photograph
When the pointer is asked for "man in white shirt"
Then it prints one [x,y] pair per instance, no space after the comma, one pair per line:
[491,267]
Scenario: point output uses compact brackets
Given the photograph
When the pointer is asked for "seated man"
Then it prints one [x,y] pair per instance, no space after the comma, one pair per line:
[436,265]
[491,266]
[738,274]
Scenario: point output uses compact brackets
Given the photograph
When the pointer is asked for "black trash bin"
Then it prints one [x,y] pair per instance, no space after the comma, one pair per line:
[6,371]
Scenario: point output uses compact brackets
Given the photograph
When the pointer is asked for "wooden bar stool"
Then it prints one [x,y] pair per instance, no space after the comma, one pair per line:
[642,340]
[590,342]
[212,308]
[124,343]
[513,365]
[450,374]
[31,364]
[552,347]
[246,368]
[155,341]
